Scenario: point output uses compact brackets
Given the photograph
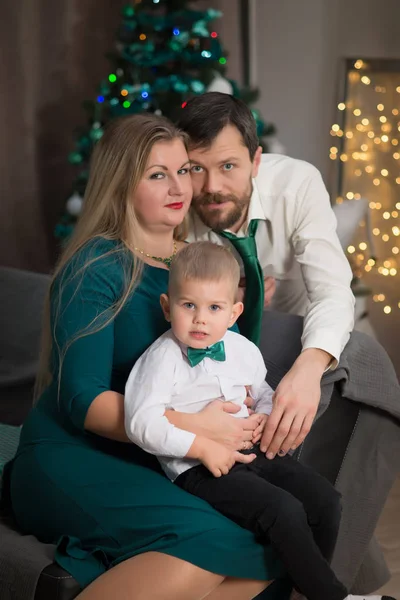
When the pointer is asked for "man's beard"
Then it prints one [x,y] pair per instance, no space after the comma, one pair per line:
[214,219]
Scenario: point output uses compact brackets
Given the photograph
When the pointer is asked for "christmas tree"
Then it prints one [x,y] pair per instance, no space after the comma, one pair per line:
[165,52]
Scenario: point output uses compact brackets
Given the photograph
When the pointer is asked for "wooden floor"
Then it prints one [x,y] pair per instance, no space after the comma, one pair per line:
[388,534]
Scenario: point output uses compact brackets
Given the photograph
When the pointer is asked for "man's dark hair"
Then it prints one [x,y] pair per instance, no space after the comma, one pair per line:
[204,117]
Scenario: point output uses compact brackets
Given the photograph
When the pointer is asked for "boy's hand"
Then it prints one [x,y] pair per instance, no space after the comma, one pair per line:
[249,400]
[258,431]
[269,290]
[219,460]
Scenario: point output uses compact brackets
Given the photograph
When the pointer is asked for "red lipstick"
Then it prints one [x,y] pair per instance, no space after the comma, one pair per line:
[175,205]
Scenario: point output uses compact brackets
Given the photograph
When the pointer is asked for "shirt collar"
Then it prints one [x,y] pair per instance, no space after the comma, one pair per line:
[255,212]
[184,347]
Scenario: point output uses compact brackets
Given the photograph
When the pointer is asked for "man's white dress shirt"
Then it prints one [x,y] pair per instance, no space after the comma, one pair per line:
[297,244]
[163,379]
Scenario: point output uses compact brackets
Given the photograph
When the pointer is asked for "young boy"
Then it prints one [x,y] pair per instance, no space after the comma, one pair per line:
[284,502]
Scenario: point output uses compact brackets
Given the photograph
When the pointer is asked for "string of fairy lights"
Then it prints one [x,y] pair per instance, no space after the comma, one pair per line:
[367,140]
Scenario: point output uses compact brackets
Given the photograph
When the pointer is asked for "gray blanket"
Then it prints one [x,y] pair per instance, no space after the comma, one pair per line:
[365,375]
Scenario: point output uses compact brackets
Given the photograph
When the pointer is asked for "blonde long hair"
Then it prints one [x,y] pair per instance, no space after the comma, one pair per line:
[117,165]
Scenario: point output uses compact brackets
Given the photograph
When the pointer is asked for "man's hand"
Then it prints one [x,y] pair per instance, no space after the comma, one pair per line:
[296,401]
[269,290]
[219,460]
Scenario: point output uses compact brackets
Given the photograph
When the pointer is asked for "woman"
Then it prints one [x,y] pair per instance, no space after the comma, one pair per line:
[75,480]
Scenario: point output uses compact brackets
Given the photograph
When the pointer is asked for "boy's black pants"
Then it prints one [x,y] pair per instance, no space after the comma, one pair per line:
[284,503]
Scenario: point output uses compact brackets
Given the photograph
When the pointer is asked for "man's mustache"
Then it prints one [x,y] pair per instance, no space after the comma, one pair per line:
[206,199]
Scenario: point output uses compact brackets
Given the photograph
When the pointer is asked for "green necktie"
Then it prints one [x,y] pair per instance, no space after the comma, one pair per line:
[250,321]
[196,355]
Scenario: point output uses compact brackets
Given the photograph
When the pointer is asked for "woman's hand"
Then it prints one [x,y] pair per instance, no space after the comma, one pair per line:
[269,290]
[219,425]
[216,423]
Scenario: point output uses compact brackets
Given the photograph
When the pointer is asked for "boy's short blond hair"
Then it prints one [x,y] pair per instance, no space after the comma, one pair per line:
[204,261]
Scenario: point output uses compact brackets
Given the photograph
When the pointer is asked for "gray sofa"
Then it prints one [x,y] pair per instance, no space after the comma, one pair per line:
[25,563]
[22,296]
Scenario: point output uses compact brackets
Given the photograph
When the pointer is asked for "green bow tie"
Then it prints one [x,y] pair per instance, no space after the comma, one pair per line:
[250,320]
[196,355]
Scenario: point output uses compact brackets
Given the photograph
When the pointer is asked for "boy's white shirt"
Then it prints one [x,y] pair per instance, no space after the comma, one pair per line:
[163,379]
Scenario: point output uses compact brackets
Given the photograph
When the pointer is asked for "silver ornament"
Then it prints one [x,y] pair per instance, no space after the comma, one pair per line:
[74,204]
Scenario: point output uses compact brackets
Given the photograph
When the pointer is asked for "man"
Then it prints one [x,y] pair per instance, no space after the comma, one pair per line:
[281,204]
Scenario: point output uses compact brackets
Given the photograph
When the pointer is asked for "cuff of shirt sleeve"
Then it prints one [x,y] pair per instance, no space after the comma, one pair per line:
[332,365]
[181,443]
[324,340]
[263,410]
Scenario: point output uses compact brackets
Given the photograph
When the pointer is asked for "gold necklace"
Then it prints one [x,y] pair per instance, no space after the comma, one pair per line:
[166,261]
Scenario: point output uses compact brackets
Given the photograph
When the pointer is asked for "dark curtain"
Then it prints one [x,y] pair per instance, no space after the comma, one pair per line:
[52,58]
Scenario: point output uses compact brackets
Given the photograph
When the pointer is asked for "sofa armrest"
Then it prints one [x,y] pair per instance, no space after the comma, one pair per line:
[56,584]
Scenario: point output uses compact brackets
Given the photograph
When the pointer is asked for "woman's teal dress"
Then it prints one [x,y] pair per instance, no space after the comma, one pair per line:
[101,501]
